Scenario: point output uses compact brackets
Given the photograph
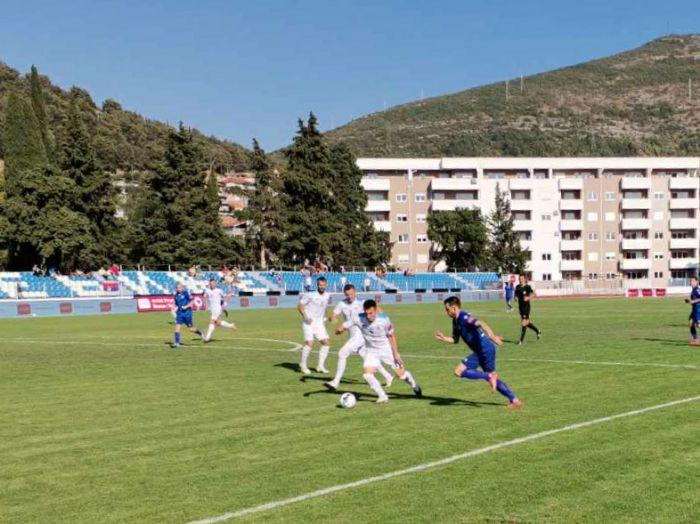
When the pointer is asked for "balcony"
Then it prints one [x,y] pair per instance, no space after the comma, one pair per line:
[571,245]
[683,263]
[636,223]
[683,223]
[378,206]
[684,203]
[630,264]
[382,225]
[635,183]
[570,204]
[520,184]
[683,243]
[571,183]
[521,205]
[376,184]
[453,184]
[684,183]
[636,243]
[571,265]
[571,225]
[522,225]
[451,205]
[636,203]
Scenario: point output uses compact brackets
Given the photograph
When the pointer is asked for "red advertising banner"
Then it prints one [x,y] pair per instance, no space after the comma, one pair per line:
[110,286]
[632,292]
[660,292]
[149,303]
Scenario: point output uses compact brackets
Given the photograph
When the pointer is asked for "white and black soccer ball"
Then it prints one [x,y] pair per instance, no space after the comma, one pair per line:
[348,400]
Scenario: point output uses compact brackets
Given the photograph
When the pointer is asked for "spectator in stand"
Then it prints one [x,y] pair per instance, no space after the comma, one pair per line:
[53,272]
[224,270]
[306,275]
[278,279]
[102,273]
[36,271]
[366,285]
[192,272]
[234,270]
[114,270]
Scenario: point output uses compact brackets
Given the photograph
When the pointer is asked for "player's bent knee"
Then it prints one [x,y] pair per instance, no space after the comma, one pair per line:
[367,372]
[459,370]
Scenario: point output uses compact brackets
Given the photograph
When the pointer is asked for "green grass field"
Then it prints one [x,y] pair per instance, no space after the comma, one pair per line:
[101,422]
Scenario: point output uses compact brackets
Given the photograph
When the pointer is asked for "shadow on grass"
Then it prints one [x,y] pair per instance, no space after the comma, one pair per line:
[293,366]
[434,401]
[663,341]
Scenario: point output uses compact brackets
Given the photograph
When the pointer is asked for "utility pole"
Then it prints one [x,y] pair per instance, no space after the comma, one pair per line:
[507,90]
[522,84]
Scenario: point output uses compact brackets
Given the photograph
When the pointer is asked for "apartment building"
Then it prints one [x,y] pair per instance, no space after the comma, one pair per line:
[593,218]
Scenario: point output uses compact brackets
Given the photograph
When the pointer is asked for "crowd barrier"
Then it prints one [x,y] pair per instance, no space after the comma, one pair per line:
[160,303]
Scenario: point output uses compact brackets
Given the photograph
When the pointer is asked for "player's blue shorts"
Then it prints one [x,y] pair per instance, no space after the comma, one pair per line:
[695,316]
[184,317]
[486,359]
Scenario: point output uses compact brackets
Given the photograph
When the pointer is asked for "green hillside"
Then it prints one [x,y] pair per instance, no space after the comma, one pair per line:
[124,140]
[632,103]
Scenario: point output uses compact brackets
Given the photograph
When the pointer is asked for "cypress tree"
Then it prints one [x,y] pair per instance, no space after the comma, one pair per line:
[39,108]
[505,252]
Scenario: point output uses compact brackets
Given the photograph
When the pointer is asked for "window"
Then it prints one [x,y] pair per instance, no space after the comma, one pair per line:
[402,218]
[401,197]
[658,274]
[403,239]
[658,256]
[610,255]
[592,276]
[420,197]
[546,217]
[592,197]
[525,235]
[658,235]
[658,215]
[592,236]
[438,195]
[521,215]
[546,276]
[592,217]
[421,238]
[610,196]
[403,258]
[658,195]
[546,256]
[593,257]
[610,217]
[371,176]
[421,218]
[520,194]
[610,235]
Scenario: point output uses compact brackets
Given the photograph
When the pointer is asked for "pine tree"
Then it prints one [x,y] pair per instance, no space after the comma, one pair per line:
[39,108]
[264,234]
[459,238]
[506,255]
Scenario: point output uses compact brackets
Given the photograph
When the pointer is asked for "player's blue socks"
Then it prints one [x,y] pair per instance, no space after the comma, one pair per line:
[177,338]
[693,331]
[473,374]
[504,390]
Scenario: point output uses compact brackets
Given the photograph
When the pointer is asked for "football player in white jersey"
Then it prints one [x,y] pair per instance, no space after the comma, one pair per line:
[380,346]
[312,307]
[349,308]
[215,301]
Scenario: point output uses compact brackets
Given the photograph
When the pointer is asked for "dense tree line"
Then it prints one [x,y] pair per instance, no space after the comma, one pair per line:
[59,200]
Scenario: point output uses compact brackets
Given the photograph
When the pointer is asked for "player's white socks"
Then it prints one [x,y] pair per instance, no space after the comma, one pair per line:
[409,378]
[340,370]
[305,351]
[210,332]
[384,373]
[374,384]
[322,355]
[226,324]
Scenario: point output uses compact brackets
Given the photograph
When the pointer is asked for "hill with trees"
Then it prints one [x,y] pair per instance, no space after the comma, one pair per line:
[641,102]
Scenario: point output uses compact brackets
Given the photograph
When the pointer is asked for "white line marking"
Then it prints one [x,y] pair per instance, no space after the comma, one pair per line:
[429,465]
[296,347]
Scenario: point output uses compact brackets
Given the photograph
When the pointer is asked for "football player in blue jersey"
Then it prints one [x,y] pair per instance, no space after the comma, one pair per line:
[480,338]
[694,318]
[184,302]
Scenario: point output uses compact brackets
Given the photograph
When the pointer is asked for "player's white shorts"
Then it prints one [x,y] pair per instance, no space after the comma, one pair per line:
[353,346]
[215,313]
[315,330]
[374,357]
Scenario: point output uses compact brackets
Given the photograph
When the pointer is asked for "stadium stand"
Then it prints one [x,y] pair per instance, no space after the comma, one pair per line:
[25,285]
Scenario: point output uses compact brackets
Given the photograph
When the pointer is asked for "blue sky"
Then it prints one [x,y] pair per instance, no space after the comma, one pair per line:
[244,69]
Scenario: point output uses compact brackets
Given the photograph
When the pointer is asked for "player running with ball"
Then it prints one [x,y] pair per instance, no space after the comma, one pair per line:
[215,302]
[480,339]
[380,347]
[349,308]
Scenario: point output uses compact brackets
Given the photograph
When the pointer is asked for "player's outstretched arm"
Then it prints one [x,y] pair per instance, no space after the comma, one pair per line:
[489,332]
[444,338]
[395,349]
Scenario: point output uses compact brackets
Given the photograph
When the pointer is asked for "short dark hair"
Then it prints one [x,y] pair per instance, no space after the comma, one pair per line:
[321,279]
[212,279]
[453,301]
[369,304]
[348,287]
[695,277]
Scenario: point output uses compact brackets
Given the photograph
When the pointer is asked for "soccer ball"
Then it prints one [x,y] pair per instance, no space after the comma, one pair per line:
[348,400]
